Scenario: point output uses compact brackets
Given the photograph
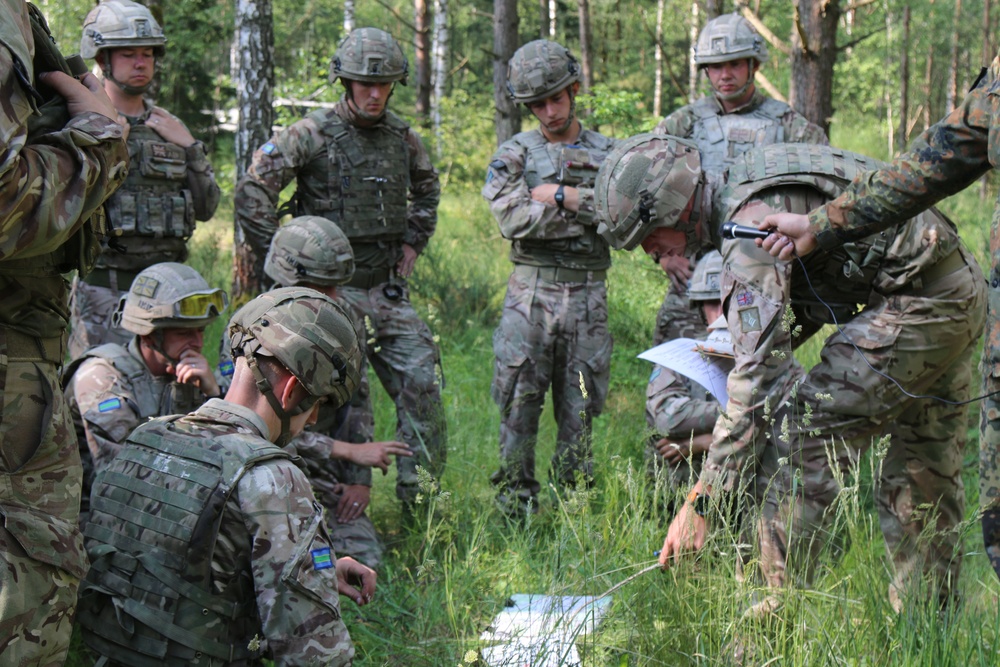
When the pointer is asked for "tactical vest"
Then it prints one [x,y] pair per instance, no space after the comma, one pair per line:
[154,201]
[363,183]
[80,252]
[723,137]
[152,398]
[574,165]
[149,594]
[843,278]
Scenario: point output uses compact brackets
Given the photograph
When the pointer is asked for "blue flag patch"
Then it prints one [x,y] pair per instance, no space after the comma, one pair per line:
[268,148]
[226,368]
[322,559]
[109,405]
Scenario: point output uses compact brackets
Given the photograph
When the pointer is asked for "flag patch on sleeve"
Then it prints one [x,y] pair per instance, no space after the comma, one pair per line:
[109,405]
[322,558]
[226,368]
[268,148]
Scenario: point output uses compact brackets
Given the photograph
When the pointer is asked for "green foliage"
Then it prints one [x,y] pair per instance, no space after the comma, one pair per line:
[465,142]
[618,113]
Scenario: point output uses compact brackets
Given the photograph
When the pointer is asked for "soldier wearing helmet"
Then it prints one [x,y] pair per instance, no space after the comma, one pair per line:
[362,167]
[170,183]
[337,451]
[910,306]
[53,183]
[553,330]
[113,388]
[733,119]
[205,524]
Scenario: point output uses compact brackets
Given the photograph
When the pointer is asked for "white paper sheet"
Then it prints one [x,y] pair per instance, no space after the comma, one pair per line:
[680,355]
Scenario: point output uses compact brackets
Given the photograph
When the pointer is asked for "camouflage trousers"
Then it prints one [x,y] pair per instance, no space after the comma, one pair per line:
[676,319]
[402,351]
[91,308]
[41,549]
[925,340]
[550,333]
[989,435]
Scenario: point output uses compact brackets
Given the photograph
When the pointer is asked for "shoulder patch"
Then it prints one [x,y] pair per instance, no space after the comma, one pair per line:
[744,298]
[750,319]
[322,559]
[109,405]
[268,148]
[226,368]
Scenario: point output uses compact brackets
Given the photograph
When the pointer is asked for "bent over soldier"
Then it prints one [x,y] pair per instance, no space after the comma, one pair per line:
[921,313]
[62,155]
[946,158]
[735,118]
[207,546]
[362,167]
[553,330]
[170,183]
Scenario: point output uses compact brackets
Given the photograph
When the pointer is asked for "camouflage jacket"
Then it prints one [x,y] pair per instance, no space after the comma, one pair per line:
[272,534]
[110,391]
[759,122]
[946,158]
[168,188]
[49,187]
[758,292]
[541,234]
[301,149]
[677,407]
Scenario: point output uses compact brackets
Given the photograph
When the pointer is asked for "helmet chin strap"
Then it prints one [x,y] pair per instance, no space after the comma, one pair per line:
[265,388]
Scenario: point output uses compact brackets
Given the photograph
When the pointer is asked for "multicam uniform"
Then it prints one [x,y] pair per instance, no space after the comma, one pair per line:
[553,329]
[361,178]
[168,188]
[722,137]
[948,157]
[50,186]
[677,407]
[923,315]
[225,534]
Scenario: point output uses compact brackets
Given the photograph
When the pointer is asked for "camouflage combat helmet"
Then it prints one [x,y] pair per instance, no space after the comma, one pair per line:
[370,55]
[308,334]
[116,24]
[168,296]
[646,182]
[729,37]
[309,250]
[540,69]
[704,284]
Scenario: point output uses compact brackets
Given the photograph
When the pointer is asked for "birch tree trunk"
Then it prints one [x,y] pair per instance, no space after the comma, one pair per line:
[692,67]
[348,16]
[814,53]
[422,66]
[658,56]
[507,115]
[586,59]
[252,65]
[552,19]
[952,90]
[439,59]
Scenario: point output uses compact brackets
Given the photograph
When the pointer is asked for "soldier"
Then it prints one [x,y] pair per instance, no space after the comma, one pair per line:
[357,165]
[113,388]
[207,545]
[50,187]
[313,252]
[923,314]
[948,157]
[733,119]
[680,412]
[170,183]
[553,330]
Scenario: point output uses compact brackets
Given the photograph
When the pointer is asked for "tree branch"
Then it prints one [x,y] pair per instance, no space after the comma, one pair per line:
[855,42]
[858,4]
[772,39]
[399,17]
[771,89]
[801,31]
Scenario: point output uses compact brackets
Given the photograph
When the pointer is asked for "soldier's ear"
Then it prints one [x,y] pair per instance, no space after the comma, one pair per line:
[575,88]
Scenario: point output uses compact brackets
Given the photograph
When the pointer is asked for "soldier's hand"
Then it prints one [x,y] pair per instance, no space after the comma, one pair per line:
[405,265]
[378,454]
[354,498]
[193,368]
[673,452]
[677,268]
[355,580]
[546,194]
[82,96]
[792,236]
[686,534]
[170,127]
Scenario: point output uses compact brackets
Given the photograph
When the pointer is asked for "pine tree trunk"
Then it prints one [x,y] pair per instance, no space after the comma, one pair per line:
[439,60]
[422,64]
[952,89]
[586,61]
[543,19]
[253,76]
[814,53]
[902,134]
[507,115]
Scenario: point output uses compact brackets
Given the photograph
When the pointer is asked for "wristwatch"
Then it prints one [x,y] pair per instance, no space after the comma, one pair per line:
[700,502]
[560,196]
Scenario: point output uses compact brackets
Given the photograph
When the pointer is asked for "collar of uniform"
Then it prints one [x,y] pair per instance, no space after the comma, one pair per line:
[218,409]
[755,101]
[147,108]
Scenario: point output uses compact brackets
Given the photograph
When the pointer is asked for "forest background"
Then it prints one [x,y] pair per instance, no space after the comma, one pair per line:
[875,72]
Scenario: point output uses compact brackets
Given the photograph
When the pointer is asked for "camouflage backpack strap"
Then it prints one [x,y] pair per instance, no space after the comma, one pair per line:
[538,160]
[775,110]
[339,131]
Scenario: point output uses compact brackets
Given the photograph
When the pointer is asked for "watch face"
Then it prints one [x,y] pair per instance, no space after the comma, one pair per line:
[701,504]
